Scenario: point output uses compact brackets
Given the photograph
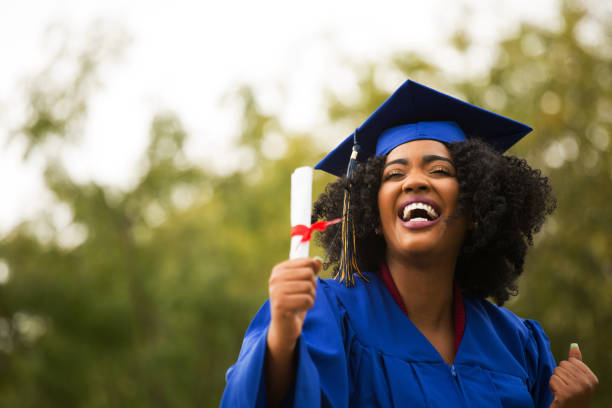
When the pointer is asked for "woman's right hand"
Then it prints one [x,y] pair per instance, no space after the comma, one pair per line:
[292,289]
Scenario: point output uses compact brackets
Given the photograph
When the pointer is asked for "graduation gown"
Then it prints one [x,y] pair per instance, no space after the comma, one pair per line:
[357,348]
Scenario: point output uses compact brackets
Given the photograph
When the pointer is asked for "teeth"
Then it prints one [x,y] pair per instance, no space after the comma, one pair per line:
[406,213]
[418,219]
[422,206]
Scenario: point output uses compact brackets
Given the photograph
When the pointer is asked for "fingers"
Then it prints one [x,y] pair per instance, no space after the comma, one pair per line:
[561,391]
[569,372]
[296,269]
[292,288]
[313,263]
[574,352]
[556,384]
[584,368]
[292,274]
[292,285]
[576,371]
[575,357]
[572,381]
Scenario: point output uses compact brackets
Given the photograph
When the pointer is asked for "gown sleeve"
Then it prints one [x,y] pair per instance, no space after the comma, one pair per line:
[321,377]
[540,364]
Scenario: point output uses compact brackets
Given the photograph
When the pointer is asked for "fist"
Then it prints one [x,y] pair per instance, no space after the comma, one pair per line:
[573,384]
[292,288]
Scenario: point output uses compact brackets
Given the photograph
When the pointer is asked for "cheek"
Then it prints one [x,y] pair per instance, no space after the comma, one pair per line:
[385,204]
[451,194]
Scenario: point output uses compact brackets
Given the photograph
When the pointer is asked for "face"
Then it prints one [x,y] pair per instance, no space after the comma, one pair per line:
[417,201]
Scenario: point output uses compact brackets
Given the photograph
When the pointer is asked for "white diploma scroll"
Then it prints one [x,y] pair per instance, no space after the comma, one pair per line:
[301,200]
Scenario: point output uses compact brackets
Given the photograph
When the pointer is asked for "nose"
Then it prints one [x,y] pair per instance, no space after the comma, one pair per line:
[415,183]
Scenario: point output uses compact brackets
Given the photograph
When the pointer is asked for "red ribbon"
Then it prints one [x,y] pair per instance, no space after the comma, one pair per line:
[306,232]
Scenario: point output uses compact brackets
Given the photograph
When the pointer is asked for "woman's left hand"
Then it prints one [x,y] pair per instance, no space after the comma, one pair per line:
[573,384]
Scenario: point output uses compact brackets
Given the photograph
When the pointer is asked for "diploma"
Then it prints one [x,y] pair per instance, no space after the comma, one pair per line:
[301,202]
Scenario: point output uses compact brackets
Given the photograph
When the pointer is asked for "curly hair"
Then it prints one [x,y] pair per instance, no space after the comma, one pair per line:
[506,200]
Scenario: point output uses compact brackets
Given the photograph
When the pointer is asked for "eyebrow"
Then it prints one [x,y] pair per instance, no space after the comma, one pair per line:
[396,161]
[426,159]
[432,157]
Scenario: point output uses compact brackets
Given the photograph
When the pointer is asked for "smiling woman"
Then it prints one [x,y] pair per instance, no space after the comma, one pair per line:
[504,202]
[438,219]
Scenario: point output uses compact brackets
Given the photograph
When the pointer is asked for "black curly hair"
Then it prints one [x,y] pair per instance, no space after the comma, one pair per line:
[506,199]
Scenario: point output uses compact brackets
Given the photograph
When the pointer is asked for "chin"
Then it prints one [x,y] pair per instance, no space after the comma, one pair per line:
[420,247]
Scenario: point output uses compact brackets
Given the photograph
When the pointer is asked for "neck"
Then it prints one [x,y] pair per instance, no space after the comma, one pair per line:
[426,289]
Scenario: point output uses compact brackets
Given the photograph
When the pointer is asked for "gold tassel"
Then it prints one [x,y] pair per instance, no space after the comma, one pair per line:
[348,260]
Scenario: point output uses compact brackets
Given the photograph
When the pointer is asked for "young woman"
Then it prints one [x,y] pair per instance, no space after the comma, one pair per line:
[441,220]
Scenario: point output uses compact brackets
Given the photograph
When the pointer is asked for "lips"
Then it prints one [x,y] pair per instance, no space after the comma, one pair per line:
[419,208]
[419,212]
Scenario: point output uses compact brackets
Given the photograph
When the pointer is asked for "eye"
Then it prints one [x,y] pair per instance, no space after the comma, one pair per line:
[392,174]
[440,170]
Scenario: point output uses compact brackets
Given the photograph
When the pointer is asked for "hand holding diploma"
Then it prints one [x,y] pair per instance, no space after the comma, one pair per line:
[292,288]
[573,384]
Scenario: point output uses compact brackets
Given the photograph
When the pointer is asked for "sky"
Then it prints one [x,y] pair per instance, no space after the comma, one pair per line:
[188,57]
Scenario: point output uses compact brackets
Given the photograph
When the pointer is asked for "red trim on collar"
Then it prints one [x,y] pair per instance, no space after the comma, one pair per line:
[459,315]
[458,308]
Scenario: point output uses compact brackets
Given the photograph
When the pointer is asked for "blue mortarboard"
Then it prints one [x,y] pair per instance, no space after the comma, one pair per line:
[414,112]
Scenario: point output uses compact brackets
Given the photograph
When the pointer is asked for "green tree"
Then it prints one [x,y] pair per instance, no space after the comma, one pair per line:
[149,306]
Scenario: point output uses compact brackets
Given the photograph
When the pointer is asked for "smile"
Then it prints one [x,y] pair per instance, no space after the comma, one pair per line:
[419,212]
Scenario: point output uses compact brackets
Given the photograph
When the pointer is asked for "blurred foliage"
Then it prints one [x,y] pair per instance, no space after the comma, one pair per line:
[58,95]
[143,298]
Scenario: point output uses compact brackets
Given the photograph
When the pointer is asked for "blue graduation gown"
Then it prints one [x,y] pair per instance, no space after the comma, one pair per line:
[357,348]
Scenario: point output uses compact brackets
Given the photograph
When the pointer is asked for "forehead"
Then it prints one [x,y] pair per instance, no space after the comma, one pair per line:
[418,148]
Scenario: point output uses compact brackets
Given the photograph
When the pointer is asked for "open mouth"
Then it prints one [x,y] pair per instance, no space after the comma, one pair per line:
[418,212]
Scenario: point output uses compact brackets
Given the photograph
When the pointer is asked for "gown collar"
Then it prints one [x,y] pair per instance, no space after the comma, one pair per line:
[458,307]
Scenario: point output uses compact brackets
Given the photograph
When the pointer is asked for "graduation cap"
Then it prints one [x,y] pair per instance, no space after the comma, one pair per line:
[412,112]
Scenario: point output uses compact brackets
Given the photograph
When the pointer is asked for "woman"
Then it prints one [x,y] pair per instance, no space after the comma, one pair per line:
[441,221]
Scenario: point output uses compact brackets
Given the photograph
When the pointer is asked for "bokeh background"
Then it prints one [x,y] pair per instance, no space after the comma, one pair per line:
[146,152]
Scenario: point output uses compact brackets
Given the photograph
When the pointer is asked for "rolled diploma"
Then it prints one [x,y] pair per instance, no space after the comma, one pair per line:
[301,199]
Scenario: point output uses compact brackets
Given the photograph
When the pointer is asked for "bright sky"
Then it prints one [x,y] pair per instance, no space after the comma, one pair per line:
[186,55]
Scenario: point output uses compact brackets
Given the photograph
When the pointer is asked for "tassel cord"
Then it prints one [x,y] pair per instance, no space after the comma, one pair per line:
[348,260]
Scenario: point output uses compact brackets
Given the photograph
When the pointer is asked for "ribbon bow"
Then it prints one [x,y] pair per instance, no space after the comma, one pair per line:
[306,232]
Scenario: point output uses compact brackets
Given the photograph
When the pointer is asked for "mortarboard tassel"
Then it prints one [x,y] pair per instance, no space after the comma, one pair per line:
[348,260]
